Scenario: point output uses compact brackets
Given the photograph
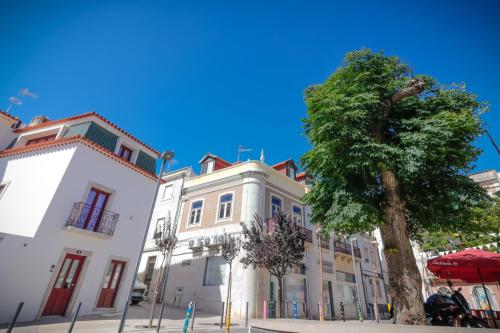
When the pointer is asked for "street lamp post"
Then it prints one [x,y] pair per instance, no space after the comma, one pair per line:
[375,281]
[321,316]
[358,305]
[166,156]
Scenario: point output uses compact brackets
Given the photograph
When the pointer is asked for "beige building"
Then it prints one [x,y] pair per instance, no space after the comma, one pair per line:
[214,203]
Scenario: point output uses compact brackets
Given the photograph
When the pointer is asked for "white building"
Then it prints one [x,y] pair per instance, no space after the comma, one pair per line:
[214,203]
[75,194]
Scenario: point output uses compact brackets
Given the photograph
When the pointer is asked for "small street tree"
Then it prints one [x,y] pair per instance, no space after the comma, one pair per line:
[276,246]
[165,241]
[229,250]
[391,150]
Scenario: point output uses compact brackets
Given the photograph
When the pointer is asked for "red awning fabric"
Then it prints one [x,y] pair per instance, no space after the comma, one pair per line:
[467,265]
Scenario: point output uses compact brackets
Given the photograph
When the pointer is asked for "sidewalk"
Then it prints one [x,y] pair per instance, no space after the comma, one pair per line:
[137,319]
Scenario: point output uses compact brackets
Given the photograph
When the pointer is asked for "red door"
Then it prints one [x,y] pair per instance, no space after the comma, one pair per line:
[94,208]
[64,286]
[111,284]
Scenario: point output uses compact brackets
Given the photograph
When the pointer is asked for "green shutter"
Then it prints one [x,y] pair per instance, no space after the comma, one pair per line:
[94,132]
[146,162]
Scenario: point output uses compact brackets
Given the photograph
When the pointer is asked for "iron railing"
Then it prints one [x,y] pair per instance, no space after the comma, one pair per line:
[86,217]
[344,247]
[270,225]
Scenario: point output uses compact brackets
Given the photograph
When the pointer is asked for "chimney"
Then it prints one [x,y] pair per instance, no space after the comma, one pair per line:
[38,120]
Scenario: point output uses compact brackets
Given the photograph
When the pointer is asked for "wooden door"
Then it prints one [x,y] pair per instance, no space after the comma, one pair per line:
[95,204]
[111,284]
[64,286]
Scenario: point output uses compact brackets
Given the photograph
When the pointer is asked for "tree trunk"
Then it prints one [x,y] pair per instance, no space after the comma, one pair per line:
[155,295]
[279,308]
[404,277]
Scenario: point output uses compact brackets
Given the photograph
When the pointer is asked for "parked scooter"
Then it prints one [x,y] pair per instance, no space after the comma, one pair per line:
[447,308]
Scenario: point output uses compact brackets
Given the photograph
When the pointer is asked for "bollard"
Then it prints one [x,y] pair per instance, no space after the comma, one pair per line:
[246,316]
[294,309]
[194,314]
[265,310]
[228,317]
[188,317]
[74,318]
[13,322]
[222,315]
[320,308]
[342,312]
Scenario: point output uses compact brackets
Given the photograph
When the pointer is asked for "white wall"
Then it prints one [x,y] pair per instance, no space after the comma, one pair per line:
[6,133]
[25,263]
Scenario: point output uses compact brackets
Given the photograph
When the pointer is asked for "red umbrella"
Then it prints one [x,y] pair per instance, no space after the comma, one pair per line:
[472,266]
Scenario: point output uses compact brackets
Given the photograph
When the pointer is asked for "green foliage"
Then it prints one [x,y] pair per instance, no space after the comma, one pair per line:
[427,144]
[483,230]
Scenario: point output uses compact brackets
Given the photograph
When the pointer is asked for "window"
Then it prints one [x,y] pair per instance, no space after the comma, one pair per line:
[276,205]
[346,277]
[215,271]
[160,227]
[168,192]
[225,203]
[125,153]
[207,167]
[111,283]
[41,139]
[290,171]
[196,208]
[297,214]
[347,293]
[365,253]
[93,210]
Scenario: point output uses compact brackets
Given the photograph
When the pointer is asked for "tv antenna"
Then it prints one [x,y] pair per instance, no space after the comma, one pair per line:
[18,99]
[241,149]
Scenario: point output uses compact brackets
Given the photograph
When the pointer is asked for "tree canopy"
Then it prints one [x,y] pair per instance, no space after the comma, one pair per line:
[428,144]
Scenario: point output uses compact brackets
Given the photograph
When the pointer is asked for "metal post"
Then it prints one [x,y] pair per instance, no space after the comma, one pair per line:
[222,316]
[265,310]
[246,315]
[358,306]
[189,310]
[13,322]
[321,316]
[193,315]
[487,298]
[375,281]
[74,318]
[164,157]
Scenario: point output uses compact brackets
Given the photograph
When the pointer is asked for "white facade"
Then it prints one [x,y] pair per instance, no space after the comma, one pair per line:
[46,183]
[197,273]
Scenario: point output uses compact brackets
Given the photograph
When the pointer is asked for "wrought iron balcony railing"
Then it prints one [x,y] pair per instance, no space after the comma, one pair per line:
[270,225]
[325,243]
[86,217]
[345,248]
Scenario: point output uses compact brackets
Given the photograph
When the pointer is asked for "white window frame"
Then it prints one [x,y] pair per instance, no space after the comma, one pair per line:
[6,186]
[207,167]
[271,203]
[189,224]
[163,198]
[228,218]
[301,213]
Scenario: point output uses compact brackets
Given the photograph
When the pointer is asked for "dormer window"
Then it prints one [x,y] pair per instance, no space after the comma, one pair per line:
[125,153]
[207,166]
[290,171]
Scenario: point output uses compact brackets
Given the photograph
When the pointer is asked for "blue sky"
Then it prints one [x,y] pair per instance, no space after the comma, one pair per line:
[199,76]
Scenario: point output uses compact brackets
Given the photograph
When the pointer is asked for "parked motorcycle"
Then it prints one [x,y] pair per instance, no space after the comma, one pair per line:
[447,308]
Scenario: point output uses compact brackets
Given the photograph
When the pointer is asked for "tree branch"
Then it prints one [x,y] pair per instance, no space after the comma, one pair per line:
[413,87]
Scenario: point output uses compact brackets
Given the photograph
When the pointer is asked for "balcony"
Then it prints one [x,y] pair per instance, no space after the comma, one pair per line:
[92,219]
[325,243]
[345,248]
[270,225]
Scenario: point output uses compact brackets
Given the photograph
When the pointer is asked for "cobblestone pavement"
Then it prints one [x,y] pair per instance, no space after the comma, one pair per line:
[137,319]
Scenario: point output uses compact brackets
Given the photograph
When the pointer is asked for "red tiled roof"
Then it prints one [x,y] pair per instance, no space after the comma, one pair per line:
[282,164]
[81,116]
[300,176]
[70,140]
[9,115]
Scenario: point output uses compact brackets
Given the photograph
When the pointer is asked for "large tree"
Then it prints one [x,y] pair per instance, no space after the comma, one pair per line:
[276,245]
[392,150]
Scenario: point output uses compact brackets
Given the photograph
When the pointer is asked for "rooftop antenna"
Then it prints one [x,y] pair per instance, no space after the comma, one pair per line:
[241,150]
[17,100]
[262,155]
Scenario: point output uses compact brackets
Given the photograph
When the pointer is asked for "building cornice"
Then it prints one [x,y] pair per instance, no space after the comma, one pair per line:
[82,116]
[71,140]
